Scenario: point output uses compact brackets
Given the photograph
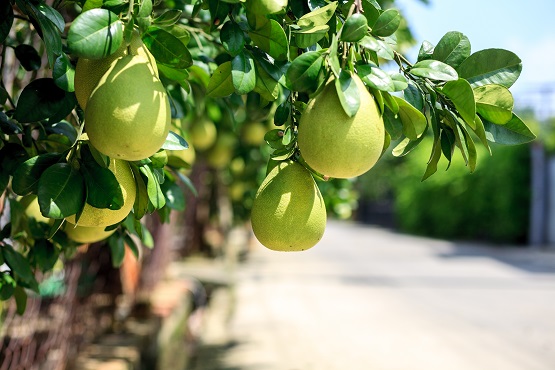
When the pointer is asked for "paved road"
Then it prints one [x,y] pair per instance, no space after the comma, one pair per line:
[367,298]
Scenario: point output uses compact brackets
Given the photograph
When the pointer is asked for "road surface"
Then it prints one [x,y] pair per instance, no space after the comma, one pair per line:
[366,298]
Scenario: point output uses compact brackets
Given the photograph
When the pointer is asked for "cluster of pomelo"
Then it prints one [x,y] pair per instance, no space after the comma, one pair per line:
[127,118]
[288,212]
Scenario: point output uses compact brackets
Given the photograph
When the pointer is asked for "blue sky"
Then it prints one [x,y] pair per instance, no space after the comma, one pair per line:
[524,27]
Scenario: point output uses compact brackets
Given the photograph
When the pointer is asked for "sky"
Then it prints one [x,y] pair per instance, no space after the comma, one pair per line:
[526,28]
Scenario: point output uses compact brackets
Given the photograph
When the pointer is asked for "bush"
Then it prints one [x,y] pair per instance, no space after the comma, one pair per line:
[491,204]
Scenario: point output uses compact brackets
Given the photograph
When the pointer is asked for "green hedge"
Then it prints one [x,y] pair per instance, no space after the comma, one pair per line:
[491,204]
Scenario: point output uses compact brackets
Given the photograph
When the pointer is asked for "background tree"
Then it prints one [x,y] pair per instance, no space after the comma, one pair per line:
[230,69]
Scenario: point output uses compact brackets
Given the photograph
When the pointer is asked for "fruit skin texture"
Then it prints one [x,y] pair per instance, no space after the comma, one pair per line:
[335,144]
[88,72]
[97,217]
[288,212]
[128,113]
[84,234]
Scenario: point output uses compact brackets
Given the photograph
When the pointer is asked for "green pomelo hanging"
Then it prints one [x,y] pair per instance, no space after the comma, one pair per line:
[128,113]
[336,145]
[288,212]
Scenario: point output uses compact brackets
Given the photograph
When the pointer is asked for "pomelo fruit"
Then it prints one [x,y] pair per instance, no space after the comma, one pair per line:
[221,153]
[252,133]
[128,114]
[336,145]
[85,234]
[102,217]
[288,212]
[88,72]
[30,204]
[203,133]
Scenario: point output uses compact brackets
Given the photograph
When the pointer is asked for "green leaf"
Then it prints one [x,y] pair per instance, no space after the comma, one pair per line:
[406,146]
[426,51]
[414,122]
[375,77]
[491,66]
[92,4]
[399,81]
[452,49]
[306,37]
[461,94]
[271,39]
[221,82]
[232,37]
[6,20]
[141,199]
[348,93]
[393,124]
[305,73]
[61,191]
[175,142]
[471,148]
[168,18]
[243,73]
[50,30]
[179,75]
[145,9]
[20,296]
[218,11]
[117,249]
[414,96]
[480,131]
[318,17]
[167,48]
[512,133]
[175,198]
[494,103]
[95,34]
[64,73]
[26,177]
[435,70]
[18,264]
[44,254]
[130,243]
[28,57]
[382,49]
[434,159]
[354,28]
[387,23]
[42,99]
[155,195]
[266,85]
[188,183]
[52,15]
[103,189]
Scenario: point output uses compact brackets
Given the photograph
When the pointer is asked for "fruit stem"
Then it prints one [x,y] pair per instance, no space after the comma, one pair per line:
[358,5]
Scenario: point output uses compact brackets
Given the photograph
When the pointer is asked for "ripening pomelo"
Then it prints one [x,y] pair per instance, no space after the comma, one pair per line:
[335,144]
[252,133]
[288,212]
[203,133]
[85,234]
[89,71]
[30,204]
[102,217]
[128,114]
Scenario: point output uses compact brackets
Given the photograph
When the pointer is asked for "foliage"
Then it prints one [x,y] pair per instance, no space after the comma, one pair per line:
[492,204]
[212,53]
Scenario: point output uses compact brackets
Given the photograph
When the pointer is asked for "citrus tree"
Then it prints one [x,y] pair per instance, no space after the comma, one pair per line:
[95,95]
